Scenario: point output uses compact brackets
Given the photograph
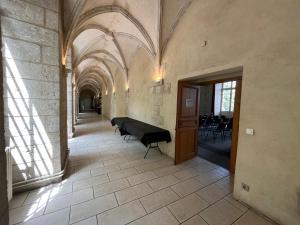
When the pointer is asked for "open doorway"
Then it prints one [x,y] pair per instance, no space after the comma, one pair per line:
[208,120]
[216,110]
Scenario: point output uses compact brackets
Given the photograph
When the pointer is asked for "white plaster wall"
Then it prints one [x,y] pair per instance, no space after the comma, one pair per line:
[119,99]
[141,74]
[106,102]
[263,37]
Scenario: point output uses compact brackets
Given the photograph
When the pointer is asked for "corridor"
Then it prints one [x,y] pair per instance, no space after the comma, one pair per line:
[109,182]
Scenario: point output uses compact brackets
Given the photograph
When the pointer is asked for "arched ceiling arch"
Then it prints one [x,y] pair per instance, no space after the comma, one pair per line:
[103,54]
[171,13]
[92,80]
[93,64]
[113,18]
[110,32]
[96,72]
[89,87]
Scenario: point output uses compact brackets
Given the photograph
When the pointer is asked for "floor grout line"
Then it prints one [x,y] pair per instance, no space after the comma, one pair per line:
[132,160]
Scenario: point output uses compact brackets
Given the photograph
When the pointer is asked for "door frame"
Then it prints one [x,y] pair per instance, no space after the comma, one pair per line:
[236,114]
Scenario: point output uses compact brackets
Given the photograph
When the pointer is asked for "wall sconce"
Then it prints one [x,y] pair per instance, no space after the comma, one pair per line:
[106,92]
[127,92]
[158,82]
[64,60]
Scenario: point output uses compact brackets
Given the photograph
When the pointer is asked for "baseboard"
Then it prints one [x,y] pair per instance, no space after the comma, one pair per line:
[41,181]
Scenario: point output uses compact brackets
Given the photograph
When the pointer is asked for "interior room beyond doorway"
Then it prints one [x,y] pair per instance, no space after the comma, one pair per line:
[215,122]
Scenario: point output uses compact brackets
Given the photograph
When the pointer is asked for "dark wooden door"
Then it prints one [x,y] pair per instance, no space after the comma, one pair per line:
[235,127]
[187,122]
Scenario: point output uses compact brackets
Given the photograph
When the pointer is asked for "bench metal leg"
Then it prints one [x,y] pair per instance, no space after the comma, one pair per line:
[151,146]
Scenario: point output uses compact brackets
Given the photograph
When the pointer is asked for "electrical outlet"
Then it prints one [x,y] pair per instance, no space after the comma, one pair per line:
[250,131]
[245,187]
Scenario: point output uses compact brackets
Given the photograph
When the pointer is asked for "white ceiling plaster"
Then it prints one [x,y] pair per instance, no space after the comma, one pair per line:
[107,33]
[145,11]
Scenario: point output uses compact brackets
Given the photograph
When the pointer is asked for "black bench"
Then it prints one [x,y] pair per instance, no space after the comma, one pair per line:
[146,133]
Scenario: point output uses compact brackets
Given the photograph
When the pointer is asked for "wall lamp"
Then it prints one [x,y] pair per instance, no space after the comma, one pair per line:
[158,82]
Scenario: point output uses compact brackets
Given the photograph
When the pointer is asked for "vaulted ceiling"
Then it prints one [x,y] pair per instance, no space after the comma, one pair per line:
[104,35]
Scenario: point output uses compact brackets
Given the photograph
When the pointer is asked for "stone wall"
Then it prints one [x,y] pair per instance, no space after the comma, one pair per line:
[3,181]
[31,58]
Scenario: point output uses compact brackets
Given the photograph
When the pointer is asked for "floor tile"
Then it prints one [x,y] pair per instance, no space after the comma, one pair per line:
[61,189]
[159,217]
[104,170]
[187,187]
[26,212]
[122,214]
[166,170]
[186,174]
[92,207]
[89,221]
[112,169]
[18,200]
[77,176]
[115,161]
[159,199]
[57,218]
[251,218]
[226,183]
[223,172]
[236,203]
[209,177]
[196,220]
[133,163]
[110,187]
[154,165]
[122,174]
[140,178]
[163,182]
[132,193]
[38,195]
[187,207]
[221,213]
[89,182]
[67,200]
[212,193]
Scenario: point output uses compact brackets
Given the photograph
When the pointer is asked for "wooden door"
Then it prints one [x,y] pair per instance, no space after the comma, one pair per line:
[235,126]
[187,122]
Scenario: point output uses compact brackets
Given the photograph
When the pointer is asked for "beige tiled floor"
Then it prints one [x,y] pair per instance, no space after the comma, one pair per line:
[109,182]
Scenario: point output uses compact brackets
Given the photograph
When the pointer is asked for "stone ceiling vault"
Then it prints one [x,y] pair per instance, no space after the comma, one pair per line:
[105,35]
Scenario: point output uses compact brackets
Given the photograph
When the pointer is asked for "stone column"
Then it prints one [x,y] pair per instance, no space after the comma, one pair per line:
[76,105]
[31,57]
[73,108]
[63,116]
[69,104]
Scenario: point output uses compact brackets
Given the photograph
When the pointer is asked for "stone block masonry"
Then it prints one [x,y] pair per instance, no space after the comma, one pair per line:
[3,181]
[31,86]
